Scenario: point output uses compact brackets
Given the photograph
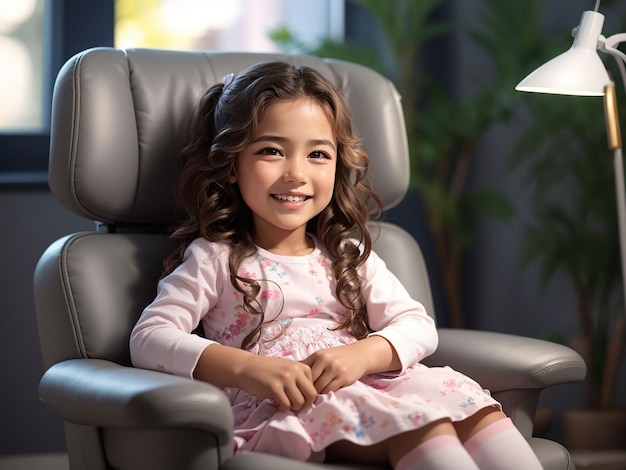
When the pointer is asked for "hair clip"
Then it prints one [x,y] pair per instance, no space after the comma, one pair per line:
[227,80]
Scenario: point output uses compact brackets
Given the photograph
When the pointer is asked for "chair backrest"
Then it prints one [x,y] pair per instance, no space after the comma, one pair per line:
[119,118]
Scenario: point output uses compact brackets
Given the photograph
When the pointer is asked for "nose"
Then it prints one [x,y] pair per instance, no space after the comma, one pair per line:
[294,170]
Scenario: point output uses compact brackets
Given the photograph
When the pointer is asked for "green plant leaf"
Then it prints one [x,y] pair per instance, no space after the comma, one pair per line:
[490,203]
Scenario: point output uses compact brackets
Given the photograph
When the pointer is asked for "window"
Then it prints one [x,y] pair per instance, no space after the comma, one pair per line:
[242,25]
[64,27]
[21,62]
[44,34]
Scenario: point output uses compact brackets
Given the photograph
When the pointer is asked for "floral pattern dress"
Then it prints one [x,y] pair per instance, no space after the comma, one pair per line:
[301,312]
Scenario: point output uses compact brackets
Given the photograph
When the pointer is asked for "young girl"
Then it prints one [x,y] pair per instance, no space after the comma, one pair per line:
[315,342]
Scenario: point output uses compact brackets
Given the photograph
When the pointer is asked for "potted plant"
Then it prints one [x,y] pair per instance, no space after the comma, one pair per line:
[570,175]
[572,187]
[569,172]
[444,129]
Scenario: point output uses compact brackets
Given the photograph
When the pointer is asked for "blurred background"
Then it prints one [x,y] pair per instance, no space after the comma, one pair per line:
[512,195]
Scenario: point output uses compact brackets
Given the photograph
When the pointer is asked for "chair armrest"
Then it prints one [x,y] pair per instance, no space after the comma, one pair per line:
[501,362]
[100,393]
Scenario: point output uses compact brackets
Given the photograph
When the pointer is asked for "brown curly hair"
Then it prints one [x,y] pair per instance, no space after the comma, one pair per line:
[224,123]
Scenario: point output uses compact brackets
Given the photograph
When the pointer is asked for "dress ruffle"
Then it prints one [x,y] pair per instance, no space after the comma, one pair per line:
[366,412]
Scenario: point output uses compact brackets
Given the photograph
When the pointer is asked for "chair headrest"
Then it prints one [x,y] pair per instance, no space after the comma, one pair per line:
[119,119]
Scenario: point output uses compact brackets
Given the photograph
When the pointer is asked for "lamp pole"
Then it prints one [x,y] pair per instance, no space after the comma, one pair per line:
[580,71]
[616,344]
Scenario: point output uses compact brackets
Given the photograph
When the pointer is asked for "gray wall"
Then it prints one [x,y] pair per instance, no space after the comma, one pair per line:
[29,222]
[501,294]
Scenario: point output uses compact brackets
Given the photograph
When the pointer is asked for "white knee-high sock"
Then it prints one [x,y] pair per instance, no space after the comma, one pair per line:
[438,453]
[501,446]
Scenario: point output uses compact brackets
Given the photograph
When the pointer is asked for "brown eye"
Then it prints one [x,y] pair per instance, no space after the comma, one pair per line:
[269,151]
[319,154]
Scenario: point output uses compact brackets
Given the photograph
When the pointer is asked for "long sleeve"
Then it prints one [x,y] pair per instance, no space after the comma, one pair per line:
[199,292]
[394,315]
[162,338]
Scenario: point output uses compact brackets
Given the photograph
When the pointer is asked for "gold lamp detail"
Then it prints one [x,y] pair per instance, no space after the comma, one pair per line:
[580,71]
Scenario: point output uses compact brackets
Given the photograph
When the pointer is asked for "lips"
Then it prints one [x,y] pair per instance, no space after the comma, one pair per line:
[290,197]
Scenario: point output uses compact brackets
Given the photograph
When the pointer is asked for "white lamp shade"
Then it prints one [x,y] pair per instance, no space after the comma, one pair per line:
[578,71]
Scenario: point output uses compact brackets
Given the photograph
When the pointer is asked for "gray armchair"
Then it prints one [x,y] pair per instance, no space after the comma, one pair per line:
[118,120]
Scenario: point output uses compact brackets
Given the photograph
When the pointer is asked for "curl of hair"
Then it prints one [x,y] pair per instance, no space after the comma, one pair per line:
[223,124]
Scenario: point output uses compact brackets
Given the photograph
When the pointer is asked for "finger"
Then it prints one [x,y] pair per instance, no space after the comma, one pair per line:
[336,384]
[332,386]
[308,373]
[322,382]
[298,394]
[308,390]
[282,401]
[317,370]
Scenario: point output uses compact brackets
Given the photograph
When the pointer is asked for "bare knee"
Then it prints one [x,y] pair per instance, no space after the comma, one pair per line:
[346,451]
[479,420]
[400,444]
[390,450]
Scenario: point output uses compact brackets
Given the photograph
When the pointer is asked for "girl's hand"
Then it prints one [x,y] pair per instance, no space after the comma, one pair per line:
[334,368]
[289,383]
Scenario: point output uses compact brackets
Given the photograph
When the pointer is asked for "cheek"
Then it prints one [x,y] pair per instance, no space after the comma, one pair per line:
[331,177]
[328,189]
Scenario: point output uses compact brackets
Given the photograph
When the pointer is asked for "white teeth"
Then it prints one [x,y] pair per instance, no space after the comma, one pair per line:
[286,197]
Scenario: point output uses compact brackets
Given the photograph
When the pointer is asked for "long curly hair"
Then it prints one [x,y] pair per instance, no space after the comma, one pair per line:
[223,124]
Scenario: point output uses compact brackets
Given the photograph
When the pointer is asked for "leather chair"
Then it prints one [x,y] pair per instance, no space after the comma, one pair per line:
[119,118]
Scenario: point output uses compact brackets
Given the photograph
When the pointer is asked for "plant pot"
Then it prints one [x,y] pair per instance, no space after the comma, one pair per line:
[595,429]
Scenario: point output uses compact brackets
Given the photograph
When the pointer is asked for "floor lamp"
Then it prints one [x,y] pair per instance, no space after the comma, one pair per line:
[580,71]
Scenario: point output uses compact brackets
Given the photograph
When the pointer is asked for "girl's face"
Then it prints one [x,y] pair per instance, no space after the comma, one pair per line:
[287,173]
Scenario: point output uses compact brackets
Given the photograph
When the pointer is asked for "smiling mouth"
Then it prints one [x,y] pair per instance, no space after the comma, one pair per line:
[290,197]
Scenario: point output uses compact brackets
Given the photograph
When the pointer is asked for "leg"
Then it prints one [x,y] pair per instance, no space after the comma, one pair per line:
[479,420]
[348,452]
[388,451]
[400,445]
[495,443]
[435,446]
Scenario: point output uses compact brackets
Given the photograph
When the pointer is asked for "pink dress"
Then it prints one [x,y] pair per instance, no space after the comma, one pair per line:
[301,310]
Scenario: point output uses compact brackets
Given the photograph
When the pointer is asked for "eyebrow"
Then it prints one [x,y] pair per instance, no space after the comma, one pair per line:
[275,138]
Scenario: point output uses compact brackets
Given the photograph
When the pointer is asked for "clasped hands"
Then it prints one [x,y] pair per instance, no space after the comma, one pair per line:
[294,385]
